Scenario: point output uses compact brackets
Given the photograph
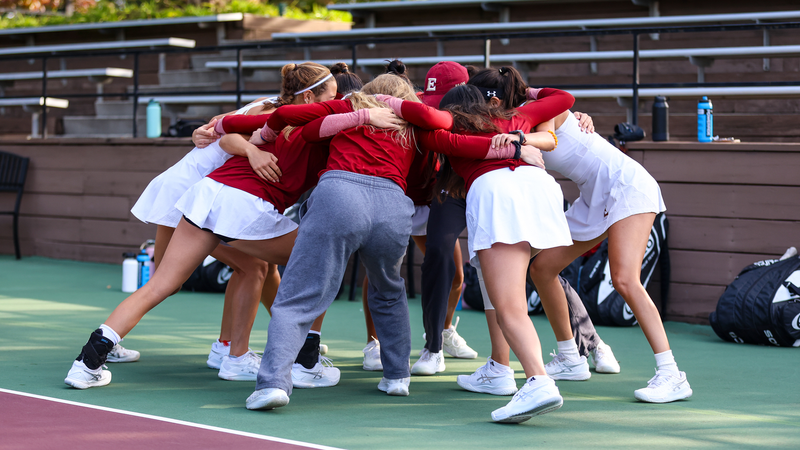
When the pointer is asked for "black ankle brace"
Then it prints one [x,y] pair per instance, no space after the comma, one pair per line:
[309,354]
[96,350]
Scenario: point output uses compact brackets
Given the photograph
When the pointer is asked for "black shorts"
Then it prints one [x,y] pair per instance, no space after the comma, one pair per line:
[224,239]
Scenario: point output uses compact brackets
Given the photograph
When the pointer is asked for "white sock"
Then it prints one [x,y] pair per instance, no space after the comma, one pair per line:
[318,333]
[496,367]
[110,334]
[569,349]
[539,380]
[666,362]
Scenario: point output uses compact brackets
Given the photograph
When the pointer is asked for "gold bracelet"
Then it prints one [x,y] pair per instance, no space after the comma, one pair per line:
[554,138]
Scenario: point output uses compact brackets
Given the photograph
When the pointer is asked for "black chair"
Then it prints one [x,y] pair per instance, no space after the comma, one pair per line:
[13,170]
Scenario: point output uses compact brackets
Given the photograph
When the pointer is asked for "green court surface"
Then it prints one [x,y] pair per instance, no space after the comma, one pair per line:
[744,396]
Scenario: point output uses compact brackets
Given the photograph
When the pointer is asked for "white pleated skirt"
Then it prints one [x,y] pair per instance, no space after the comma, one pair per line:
[157,202]
[419,221]
[512,206]
[232,213]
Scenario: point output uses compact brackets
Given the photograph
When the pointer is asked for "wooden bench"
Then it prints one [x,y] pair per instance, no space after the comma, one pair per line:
[175,104]
[34,50]
[35,105]
[700,57]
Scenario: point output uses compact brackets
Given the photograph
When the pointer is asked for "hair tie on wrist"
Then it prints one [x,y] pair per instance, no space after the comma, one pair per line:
[517,149]
[555,138]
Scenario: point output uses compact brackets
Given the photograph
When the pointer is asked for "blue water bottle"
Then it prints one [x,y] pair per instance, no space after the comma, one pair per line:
[705,120]
[144,269]
[153,119]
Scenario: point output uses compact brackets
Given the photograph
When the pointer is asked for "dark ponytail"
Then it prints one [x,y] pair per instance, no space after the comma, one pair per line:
[346,81]
[398,68]
[507,81]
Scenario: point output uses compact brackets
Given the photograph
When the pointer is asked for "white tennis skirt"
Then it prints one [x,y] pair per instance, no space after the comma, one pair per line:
[511,206]
[157,202]
[419,221]
[629,192]
[232,213]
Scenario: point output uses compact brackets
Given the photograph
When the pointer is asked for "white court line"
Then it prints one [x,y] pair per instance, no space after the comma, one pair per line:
[175,421]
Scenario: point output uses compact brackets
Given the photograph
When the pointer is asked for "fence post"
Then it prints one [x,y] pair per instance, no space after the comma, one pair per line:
[44,98]
[135,89]
[487,50]
[238,78]
[635,105]
[355,58]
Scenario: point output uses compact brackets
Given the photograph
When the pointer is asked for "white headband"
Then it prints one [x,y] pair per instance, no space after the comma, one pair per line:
[314,85]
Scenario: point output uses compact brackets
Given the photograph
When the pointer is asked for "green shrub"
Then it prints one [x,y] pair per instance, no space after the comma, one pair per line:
[108,11]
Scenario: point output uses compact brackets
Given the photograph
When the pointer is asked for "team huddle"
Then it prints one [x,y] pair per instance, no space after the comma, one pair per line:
[387,163]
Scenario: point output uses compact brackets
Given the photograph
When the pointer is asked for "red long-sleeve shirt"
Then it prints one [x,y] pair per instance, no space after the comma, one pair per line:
[550,103]
[300,162]
[365,150]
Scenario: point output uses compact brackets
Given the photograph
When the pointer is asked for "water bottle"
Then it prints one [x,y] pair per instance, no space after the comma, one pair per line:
[153,119]
[660,119]
[705,120]
[130,272]
[143,268]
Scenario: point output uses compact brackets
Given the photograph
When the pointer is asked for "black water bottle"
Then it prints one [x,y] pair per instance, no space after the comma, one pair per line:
[660,119]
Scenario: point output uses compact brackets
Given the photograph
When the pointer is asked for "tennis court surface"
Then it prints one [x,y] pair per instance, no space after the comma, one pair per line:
[744,396]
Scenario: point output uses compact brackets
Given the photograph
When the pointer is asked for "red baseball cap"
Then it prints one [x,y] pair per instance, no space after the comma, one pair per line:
[440,79]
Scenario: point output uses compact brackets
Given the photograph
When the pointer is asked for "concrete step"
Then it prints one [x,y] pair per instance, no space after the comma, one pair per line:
[192,77]
[108,126]
[156,89]
[118,108]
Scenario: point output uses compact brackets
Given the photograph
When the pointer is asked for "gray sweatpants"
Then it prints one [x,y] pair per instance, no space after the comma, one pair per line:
[347,212]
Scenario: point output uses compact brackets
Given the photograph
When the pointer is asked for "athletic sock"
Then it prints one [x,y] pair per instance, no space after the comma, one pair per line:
[569,349]
[537,380]
[496,367]
[309,354]
[110,334]
[666,362]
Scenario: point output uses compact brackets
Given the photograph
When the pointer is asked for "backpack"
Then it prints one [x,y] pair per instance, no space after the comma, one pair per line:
[472,289]
[762,305]
[210,276]
[604,305]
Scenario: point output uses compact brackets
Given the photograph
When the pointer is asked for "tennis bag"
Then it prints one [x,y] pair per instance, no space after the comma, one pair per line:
[210,276]
[762,305]
[604,305]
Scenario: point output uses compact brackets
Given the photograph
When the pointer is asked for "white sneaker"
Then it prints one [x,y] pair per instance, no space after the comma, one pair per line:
[454,345]
[394,387]
[120,354]
[372,356]
[323,349]
[244,368]
[218,351]
[323,374]
[563,367]
[532,400]
[82,377]
[429,363]
[664,388]
[487,381]
[604,359]
[268,398]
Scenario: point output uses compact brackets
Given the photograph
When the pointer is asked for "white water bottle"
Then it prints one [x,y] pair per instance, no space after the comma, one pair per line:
[130,272]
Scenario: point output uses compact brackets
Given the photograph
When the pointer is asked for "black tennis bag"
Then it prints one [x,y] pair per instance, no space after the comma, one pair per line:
[604,305]
[210,276]
[762,305]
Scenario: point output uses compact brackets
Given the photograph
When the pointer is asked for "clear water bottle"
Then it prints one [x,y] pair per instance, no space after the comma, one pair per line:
[660,119]
[705,120]
[144,268]
[153,119]
[130,272]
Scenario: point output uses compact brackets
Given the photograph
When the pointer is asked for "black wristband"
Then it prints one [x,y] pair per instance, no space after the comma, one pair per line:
[517,149]
[521,135]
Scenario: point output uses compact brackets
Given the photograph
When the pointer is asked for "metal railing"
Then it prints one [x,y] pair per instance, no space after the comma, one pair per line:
[355,43]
